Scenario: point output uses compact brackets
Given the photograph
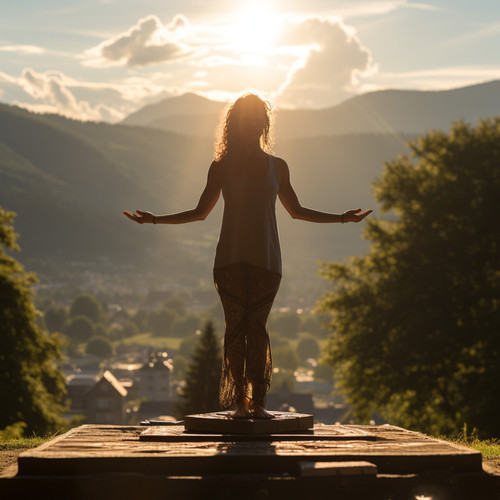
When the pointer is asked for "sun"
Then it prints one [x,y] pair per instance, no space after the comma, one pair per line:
[254,29]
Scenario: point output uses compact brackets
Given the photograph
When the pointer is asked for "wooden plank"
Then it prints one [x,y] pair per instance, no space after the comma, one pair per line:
[222,423]
[178,434]
[328,469]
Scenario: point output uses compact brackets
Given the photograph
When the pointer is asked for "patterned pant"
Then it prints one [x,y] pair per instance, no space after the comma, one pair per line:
[247,293]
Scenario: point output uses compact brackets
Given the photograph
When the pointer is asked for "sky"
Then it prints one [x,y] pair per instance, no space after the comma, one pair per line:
[103,59]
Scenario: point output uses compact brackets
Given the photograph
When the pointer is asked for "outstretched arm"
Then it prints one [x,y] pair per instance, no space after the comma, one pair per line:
[207,201]
[297,211]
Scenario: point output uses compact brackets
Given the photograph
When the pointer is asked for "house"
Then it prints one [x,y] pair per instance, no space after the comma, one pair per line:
[153,379]
[156,410]
[284,400]
[104,401]
[77,384]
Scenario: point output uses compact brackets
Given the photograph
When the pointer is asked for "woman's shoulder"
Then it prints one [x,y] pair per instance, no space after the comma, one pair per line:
[281,167]
[216,169]
[218,165]
[279,162]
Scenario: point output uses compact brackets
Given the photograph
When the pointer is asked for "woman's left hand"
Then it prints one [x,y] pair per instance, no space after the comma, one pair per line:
[356,215]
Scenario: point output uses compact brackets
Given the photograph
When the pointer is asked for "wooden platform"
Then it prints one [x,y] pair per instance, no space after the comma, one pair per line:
[94,449]
[222,422]
[170,434]
[349,462]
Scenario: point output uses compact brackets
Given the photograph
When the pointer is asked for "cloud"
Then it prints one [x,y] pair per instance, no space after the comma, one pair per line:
[22,49]
[334,61]
[148,42]
[56,92]
[433,79]
[51,88]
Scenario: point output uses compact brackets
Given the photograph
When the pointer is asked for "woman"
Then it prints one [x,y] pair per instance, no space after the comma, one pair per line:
[247,269]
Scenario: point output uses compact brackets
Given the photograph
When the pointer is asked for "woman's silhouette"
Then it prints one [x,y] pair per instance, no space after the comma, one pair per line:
[247,269]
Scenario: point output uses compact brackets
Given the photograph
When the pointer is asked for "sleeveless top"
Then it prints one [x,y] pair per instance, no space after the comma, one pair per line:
[249,232]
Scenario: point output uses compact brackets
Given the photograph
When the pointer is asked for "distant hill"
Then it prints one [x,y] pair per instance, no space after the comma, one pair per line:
[69,182]
[386,111]
[184,105]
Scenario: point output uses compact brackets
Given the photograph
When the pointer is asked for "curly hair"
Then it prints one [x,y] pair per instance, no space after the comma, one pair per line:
[227,132]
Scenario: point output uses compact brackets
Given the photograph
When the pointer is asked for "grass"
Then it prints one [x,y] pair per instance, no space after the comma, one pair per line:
[22,443]
[148,339]
[489,448]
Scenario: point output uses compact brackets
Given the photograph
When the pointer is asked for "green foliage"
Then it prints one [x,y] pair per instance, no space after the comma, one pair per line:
[79,329]
[313,323]
[99,346]
[186,325]
[178,304]
[307,347]
[323,372]
[285,324]
[149,340]
[277,341]
[285,358]
[86,305]
[282,381]
[8,442]
[55,317]
[31,385]
[188,345]
[201,392]
[140,318]
[125,331]
[489,448]
[415,325]
[13,431]
[180,367]
[160,321]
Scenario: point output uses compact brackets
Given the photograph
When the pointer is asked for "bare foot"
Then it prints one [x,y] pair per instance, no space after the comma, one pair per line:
[242,409]
[260,412]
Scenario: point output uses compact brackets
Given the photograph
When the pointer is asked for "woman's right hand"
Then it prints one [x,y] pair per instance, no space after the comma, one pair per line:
[140,217]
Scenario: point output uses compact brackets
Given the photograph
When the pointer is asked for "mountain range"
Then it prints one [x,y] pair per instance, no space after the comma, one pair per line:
[69,181]
[380,112]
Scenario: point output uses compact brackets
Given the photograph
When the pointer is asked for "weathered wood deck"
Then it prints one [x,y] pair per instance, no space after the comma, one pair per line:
[101,461]
[92,449]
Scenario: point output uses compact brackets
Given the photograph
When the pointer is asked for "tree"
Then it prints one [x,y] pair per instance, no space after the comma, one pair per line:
[86,305]
[125,331]
[186,325]
[180,367]
[79,329]
[99,346]
[140,318]
[323,372]
[201,392]
[55,317]
[188,345]
[285,358]
[308,347]
[286,324]
[415,324]
[160,321]
[178,304]
[31,385]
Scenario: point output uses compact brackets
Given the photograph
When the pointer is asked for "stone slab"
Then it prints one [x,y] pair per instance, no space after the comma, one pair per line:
[329,469]
[221,422]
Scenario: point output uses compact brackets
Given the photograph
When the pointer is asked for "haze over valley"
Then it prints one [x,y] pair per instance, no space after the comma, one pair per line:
[69,181]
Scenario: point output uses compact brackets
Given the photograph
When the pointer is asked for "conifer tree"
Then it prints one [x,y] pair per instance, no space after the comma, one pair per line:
[201,393]
[31,385]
